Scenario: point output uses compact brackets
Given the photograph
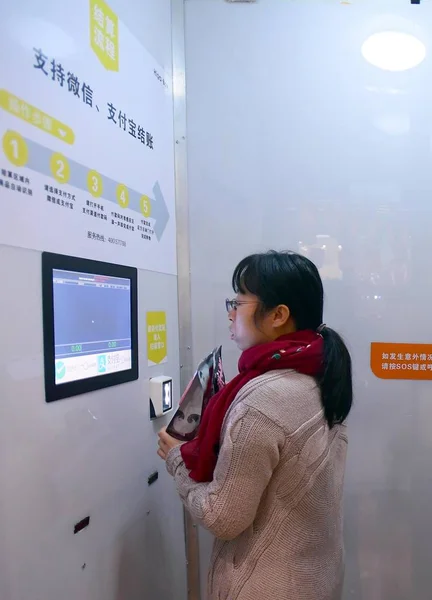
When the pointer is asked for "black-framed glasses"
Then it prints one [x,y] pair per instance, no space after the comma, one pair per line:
[234,304]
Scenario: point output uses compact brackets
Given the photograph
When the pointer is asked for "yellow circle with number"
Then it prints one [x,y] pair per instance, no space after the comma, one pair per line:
[15,148]
[122,195]
[145,205]
[59,166]
[95,184]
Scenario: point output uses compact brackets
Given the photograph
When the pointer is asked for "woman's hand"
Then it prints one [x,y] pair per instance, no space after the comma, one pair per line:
[166,443]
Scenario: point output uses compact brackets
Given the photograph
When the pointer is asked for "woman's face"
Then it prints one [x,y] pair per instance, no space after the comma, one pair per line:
[246,329]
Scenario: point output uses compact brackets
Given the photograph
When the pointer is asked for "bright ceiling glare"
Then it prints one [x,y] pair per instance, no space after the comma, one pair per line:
[394,51]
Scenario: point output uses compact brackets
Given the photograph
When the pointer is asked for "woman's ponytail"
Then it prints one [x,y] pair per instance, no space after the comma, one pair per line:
[336,380]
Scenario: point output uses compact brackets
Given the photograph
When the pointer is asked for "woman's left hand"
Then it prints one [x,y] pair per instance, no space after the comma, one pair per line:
[166,443]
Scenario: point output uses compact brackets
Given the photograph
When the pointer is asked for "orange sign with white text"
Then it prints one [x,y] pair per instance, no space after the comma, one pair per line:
[401,361]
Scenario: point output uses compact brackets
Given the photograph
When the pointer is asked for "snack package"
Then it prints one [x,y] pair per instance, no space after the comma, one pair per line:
[209,378]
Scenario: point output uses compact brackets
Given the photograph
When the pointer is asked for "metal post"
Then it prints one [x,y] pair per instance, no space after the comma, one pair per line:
[183,260]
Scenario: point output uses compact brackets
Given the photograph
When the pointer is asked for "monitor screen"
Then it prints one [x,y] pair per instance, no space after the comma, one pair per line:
[90,326]
[167,396]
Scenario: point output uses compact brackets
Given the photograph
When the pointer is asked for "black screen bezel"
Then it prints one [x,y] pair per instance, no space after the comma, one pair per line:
[51,262]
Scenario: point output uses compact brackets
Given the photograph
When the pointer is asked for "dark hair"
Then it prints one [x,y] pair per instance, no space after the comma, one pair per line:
[293,280]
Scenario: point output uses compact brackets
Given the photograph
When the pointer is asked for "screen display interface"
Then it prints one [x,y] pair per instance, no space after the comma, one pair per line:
[167,396]
[92,325]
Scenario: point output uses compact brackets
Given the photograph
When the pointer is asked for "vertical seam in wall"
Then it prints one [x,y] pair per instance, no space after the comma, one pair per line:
[183,259]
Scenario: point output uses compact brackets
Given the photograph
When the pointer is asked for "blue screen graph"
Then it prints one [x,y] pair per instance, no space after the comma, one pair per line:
[92,325]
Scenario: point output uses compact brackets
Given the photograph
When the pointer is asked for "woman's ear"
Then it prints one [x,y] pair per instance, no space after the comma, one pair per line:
[281,316]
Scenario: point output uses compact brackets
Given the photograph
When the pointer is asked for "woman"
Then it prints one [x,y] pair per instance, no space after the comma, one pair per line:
[265,474]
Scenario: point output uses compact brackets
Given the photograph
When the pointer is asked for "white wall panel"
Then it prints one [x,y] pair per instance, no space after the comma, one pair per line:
[293,135]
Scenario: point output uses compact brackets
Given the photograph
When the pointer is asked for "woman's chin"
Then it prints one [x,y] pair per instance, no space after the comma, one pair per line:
[239,345]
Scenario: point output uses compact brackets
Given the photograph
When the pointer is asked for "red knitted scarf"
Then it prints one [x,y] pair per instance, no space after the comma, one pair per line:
[301,351]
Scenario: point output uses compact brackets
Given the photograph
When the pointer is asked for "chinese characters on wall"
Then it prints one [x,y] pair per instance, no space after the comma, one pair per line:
[401,361]
[83,91]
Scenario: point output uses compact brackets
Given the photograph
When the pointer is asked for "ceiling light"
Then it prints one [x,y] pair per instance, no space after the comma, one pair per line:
[394,51]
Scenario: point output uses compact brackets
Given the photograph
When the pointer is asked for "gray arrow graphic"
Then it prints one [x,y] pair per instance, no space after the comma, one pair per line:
[159,211]
[39,160]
